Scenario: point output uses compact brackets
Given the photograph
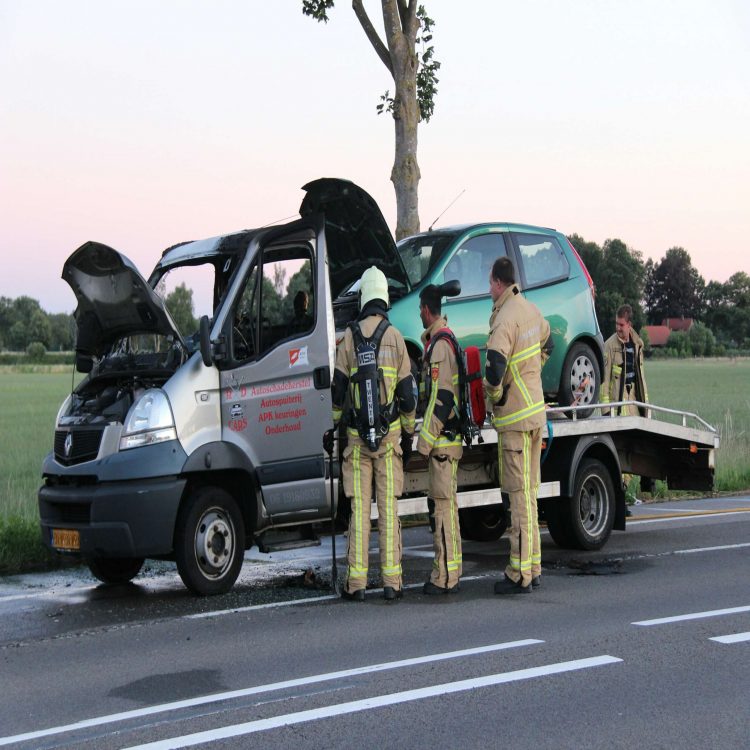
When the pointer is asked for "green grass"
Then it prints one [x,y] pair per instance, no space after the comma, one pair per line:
[716,390]
[31,395]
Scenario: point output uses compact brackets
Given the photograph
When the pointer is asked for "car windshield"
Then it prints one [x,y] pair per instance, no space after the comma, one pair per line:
[420,253]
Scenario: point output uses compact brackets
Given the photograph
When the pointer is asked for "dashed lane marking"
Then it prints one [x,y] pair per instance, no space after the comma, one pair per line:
[734,638]
[268,688]
[367,704]
[693,616]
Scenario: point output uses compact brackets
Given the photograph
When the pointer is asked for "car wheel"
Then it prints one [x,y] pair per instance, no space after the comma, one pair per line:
[580,380]
[114,570]
[209,541]
[585,520]
[487,523]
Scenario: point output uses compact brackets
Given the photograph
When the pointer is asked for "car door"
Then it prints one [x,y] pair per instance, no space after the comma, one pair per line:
[276,400]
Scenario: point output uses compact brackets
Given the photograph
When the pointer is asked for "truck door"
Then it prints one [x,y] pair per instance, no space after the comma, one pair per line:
[276,399]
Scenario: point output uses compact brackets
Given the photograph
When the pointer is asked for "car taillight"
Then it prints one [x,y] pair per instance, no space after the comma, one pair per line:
[583,268]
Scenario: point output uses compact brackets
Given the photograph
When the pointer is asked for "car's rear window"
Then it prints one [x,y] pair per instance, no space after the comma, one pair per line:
[542,258]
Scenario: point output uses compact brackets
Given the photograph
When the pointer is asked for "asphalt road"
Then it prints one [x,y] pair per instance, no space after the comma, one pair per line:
[644,644]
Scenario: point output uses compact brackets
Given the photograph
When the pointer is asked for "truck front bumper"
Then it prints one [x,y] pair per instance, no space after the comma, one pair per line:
[113,519]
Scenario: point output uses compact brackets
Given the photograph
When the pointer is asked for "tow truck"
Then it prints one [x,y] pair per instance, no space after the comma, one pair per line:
[194,445]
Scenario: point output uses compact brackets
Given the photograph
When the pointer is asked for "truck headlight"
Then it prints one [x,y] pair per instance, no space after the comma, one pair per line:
[63,410]
[149,421]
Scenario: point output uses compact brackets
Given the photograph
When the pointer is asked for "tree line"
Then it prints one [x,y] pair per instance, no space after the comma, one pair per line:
[669,288]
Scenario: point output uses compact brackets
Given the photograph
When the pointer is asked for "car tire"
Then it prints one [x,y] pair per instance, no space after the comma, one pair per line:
[580,380]
[585,520]
[115,570]
[209,541]
[486,523]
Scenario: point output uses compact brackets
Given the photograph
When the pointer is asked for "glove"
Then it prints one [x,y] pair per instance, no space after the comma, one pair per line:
[328,441]
[406,450]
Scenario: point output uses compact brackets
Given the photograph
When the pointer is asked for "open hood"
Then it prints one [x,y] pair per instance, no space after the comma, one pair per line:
[357,235]
[114,300]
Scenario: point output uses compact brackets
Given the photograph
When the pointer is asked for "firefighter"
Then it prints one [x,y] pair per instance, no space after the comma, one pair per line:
[518,345]
[623,378]
[365,458]
[440,440]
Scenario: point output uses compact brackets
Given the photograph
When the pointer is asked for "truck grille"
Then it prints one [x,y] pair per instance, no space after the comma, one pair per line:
[76,446]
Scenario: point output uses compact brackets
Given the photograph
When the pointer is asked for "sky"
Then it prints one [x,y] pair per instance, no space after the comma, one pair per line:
[142,123]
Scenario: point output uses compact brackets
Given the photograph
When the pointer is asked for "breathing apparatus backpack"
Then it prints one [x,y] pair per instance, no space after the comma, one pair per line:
[470,409]
[371,420]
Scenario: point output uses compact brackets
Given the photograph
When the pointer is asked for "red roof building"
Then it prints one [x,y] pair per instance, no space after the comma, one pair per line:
[678,324]
[657,335]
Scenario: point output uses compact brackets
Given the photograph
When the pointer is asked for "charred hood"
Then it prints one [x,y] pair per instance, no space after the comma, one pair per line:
[114,300]
[357,235]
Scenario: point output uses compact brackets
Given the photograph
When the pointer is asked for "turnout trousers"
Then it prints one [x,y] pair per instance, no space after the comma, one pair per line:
[519,454]
[446,567]
[361,466]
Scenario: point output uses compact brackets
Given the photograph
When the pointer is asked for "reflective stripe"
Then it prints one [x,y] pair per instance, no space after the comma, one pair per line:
[527,490]
[453,564]
[390,513]
[337,415]
[518,380]
[526,353]
[517,416]
[362,561]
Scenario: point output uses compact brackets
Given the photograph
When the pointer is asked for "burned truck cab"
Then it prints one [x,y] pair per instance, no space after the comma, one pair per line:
[191,436]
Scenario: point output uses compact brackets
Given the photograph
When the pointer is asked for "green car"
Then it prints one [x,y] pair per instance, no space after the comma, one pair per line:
[550,273]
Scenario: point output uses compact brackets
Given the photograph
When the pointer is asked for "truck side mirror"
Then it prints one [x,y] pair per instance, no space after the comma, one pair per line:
[84,362]
[451,288]
[205,339]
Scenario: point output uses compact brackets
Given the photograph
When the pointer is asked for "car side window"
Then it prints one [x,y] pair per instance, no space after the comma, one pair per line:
[472,262]
[280,307]
[542,259]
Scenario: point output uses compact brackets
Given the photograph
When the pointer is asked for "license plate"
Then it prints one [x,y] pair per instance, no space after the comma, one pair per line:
[67,539]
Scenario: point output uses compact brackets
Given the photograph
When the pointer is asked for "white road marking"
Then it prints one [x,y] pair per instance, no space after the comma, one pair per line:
[690,517]
[292,602]
[693,616]
[734,638]
[710,549]
[379,701]
[268,688]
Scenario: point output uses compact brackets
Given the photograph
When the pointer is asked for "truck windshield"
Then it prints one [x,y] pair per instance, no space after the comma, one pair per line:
[421,252]
[192,289]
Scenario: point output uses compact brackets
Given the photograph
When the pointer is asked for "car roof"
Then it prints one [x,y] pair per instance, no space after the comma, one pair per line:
[508,225]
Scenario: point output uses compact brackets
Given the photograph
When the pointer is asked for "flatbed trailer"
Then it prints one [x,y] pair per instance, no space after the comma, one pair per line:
[582,494]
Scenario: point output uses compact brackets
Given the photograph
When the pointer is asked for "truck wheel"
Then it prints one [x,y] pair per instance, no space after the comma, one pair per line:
[585,520]
[487,523]
[209,541]
[580,380]
[114,570]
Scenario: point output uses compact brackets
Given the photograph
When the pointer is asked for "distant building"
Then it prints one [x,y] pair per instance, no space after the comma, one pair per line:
[659,335]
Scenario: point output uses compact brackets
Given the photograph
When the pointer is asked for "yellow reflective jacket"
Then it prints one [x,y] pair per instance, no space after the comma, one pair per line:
[518,331]
[438,383]
[393,360]
[613,377]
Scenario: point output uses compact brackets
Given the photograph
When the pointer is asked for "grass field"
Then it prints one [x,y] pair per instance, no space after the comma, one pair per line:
[717,390]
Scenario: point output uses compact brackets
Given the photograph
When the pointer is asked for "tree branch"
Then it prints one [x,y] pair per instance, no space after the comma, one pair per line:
[372,34]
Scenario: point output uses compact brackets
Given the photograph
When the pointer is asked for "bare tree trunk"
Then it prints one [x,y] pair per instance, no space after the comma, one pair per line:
[401,26]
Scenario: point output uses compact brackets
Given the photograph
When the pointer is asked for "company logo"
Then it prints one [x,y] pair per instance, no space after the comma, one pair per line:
[298,357]
[236,412]
[68,445]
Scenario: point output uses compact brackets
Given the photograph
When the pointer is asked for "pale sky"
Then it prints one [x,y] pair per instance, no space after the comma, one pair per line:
[142,123]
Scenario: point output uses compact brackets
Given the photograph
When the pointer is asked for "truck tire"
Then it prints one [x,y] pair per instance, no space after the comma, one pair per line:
[209,541]
[585,520]
[580,379]
[486,523]
[114,570]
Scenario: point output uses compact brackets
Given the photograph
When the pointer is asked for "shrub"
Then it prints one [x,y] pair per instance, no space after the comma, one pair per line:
[36,351]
